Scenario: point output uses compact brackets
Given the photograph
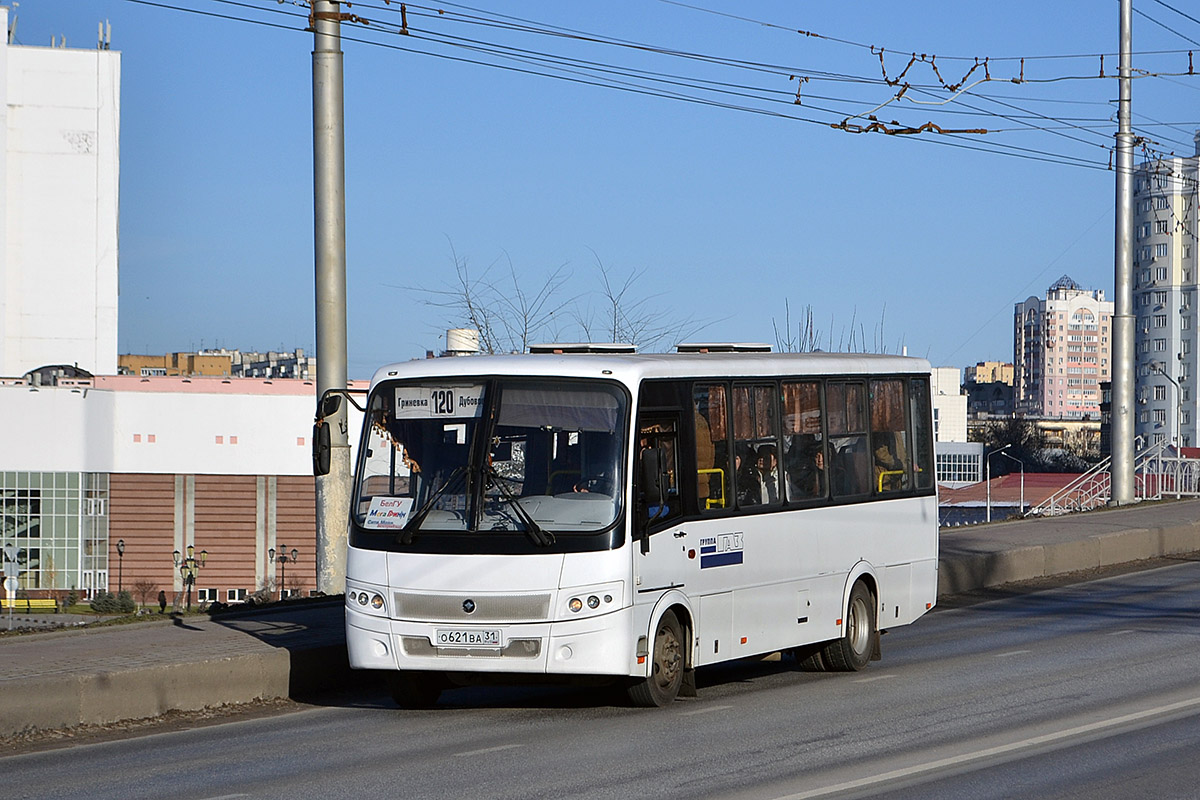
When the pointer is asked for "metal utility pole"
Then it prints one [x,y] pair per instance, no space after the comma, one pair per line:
[1123,320]
[329,207]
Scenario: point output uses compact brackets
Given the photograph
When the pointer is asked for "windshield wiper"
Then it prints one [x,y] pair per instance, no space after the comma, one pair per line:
[539,536]
[406,535]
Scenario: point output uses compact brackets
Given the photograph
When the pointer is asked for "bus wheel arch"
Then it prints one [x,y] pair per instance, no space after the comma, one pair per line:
[669,669]
[859,642]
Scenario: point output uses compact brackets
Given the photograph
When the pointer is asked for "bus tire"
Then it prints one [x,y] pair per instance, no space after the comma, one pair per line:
[853,650]
[808,658]
[661,687]
[414,690]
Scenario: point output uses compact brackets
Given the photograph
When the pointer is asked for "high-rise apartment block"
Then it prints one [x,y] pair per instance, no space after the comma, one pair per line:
[1062,351]
[1164,298]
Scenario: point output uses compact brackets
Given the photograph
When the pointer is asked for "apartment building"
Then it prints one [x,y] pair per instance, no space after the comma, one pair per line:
[1164,299]
[1062,350]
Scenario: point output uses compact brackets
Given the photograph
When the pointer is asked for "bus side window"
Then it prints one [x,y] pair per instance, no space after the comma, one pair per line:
[846,406]
[890,451]
[714,478]
[804,454]
[920,401]
[755,451]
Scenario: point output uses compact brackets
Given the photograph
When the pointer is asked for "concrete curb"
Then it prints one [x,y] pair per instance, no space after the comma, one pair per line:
[966,571]
[314,660]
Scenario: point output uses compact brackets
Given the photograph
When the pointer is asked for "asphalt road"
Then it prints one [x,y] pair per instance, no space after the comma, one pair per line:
[1090,690]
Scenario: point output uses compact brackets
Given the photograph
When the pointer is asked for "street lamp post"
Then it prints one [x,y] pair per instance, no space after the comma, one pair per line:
[120,565]
[187,569]
[987,479]
[1022,465]
[283,559]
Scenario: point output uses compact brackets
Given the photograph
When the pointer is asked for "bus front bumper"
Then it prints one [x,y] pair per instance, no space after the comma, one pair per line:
[600,645]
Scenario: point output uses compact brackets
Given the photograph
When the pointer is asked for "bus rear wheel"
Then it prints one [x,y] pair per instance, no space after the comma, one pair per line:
[415,690]
[662,685]
[852,651]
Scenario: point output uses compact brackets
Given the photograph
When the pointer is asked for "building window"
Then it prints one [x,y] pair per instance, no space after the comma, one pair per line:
[1160,251]
[1160,298]
[1160,345]
[1185,323]
[1160,393]
[1160,226]
[206,595]
[235,596]
[1160,415]
[1160,320]
[1162,203]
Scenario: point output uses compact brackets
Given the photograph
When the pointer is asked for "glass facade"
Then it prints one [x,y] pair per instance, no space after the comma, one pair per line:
[59,523]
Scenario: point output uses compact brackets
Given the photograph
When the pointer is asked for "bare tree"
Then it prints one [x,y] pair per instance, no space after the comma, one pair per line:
[510,316]
[144,589]
[804,337]
[625,316]
[507,315]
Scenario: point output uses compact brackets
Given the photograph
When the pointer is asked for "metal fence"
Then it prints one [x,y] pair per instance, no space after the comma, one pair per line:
[1159,471]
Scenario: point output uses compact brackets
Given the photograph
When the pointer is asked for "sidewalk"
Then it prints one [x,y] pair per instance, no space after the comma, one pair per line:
[66,678]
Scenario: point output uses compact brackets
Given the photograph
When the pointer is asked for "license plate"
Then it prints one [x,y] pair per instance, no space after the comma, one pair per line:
[463,637]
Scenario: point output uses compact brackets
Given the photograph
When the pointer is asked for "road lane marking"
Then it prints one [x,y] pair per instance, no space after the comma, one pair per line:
[874,678]
[227,797]
[991,752]
[708,710]
[1012,653]
[495,749]
[1120,633]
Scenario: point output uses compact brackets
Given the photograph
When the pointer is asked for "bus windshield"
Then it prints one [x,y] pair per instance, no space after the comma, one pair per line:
[491,455]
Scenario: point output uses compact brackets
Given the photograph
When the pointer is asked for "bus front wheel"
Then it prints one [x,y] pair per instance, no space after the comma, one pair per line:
[852,651]
[662,685]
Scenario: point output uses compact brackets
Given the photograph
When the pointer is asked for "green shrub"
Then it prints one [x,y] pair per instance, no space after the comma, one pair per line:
[104,603]
[124,602]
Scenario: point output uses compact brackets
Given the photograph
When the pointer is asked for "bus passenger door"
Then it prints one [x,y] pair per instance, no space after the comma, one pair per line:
[660,556]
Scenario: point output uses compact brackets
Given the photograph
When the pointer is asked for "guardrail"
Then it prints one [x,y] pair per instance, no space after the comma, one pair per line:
[1159,471]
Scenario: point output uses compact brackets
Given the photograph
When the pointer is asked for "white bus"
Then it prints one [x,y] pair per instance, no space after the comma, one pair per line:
[634,517]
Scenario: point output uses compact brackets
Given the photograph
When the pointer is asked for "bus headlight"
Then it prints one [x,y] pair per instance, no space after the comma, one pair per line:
[376,601]
[590,600]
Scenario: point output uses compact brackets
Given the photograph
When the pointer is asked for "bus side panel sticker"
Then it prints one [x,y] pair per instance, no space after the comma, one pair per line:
[720,550]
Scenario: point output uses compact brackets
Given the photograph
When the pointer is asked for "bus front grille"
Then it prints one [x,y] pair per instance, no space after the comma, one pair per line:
[473,608]
[517,648]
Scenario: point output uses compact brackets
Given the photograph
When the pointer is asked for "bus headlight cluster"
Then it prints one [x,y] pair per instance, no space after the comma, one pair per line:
[375,600]
[597,598]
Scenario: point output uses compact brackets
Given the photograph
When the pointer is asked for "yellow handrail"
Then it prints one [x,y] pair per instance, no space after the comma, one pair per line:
[886,473]
[714,502]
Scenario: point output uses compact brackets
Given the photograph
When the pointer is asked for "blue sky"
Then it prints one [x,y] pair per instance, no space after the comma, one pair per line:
[725,214]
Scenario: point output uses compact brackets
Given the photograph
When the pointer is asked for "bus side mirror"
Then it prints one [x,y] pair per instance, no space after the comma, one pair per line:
[321,449]
[330,404]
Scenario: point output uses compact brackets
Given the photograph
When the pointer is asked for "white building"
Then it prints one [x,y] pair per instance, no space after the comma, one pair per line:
[159,464]
[949,405]
[958,462]
[1164,298]
[59,170]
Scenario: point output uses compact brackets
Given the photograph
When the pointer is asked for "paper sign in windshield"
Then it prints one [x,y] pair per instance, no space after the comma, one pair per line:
[445,402]
[388,513]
